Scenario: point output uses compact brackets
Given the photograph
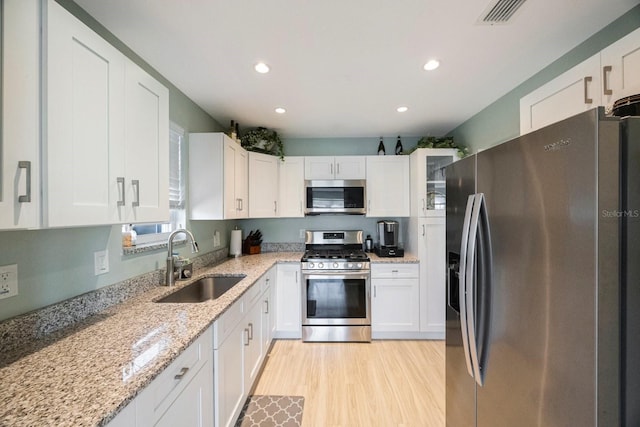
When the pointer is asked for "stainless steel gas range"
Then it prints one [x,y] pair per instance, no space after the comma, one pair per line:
[336,287]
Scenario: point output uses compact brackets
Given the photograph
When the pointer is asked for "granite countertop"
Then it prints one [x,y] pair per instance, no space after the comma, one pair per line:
[98,366]
[87,373]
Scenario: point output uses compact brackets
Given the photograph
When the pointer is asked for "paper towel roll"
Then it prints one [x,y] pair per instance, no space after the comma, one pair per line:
[235,246]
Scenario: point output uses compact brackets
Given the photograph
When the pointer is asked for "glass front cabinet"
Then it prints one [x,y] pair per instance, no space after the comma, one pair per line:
[428,180]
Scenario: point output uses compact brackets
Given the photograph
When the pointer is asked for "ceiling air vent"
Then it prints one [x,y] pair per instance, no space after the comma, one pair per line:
[500,11]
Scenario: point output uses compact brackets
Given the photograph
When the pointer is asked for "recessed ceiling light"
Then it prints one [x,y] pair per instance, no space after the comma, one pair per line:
[431,65]
[280,110]
[402,109]
[261,67]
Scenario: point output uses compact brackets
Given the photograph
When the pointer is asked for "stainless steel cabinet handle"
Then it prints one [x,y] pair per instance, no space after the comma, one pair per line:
[424,232]
[24,164]
[587,80]
[241,204]
[250,331]
[338,169]
[424,204]
[606,70]
[266,306]
[136,194]
[246,336]
[374,291]
[331,166]
[275,206]
[120,181]
[182,373]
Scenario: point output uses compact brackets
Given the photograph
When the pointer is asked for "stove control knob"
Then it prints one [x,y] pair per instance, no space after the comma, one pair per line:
[359,265]
[349,265]
[335,265]
[320,265]
[311,265]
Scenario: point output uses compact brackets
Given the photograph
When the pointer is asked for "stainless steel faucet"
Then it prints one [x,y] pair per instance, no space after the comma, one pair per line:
[170,278]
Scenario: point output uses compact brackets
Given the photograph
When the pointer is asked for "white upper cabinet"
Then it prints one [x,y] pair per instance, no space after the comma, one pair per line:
[572,92]
[84,125]
[263,185]
[106,131]
[19,142]
[147,147]
[340,167]
[621,68]
[291,187]
[428,185]
[388,186]
[218,181]
[599,81]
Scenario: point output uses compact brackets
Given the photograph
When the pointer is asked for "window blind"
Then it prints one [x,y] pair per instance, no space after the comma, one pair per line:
[176,168]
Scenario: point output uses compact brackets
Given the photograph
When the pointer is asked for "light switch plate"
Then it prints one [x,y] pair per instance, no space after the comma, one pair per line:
[8,281]
[101,262]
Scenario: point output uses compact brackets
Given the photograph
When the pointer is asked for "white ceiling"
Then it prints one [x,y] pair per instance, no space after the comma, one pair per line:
[341,68]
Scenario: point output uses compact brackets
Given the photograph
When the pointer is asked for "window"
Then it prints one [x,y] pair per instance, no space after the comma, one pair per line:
[158,233]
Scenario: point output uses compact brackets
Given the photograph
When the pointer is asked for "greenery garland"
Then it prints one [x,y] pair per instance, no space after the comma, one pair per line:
[442,142]
[263,140]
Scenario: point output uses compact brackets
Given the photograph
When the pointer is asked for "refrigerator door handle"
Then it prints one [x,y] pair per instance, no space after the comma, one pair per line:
[462,283]
[470,280]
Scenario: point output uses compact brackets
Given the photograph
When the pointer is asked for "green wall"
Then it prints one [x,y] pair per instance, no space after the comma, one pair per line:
[500,121]
[57,264]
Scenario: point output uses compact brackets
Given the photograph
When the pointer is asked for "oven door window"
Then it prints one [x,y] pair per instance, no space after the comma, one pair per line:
[336,298]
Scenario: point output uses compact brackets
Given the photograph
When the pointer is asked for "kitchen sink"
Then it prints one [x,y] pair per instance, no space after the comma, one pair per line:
[204,289]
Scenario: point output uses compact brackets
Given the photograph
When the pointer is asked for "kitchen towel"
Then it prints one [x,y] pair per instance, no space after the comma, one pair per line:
[235,247]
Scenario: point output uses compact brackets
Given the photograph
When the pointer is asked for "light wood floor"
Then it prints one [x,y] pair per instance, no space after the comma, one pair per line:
[385,383]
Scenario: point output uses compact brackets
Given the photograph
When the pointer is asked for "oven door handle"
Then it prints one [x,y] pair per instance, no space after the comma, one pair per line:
[336,274]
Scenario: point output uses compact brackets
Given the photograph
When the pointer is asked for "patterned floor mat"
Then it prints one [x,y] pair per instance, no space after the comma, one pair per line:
[271,411]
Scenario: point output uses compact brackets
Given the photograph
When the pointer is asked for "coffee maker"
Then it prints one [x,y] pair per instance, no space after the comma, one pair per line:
[388,232]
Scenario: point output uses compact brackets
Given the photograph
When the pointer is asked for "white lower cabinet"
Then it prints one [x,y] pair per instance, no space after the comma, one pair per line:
[239,350]
[395,302]
[182,394]
[288,294]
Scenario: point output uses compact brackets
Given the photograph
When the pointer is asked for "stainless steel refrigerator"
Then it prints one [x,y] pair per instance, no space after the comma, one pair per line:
[543,247]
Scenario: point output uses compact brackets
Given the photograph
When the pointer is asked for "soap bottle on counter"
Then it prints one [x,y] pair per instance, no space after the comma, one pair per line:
[126,236]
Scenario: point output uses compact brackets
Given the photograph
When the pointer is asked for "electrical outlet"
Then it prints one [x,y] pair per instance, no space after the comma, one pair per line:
[101,262]
[8,281]
[302,233]
[216,239]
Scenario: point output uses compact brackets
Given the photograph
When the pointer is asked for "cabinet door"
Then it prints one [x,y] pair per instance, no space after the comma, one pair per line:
[85,124]
[573,92]
[147,147]
[291,185]
[433,270]
[388,186]
[207,173]
[395,305]
[319,167]
[19,142]
[228,377]
[263,186]
[231,200]
[253,344]
[621,68]
[242,182]
[350,167]
[288,303]
[193,407]
[428,184]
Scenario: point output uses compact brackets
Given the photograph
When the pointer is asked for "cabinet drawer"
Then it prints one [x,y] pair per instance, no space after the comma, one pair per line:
[161,393]
[254,292]
[392,271]
[223,326]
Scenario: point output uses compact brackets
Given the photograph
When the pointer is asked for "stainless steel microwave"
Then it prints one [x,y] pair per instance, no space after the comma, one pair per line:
[335,196]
